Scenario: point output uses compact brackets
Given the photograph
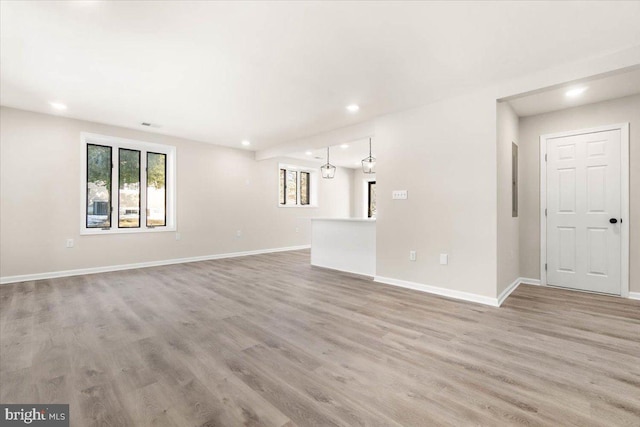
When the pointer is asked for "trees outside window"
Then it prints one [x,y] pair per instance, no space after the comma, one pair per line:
[295,186]
[135,166]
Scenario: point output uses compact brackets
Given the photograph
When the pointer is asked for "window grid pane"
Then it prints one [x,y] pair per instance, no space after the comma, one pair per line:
[292,188]
[304,188]
[99,162]
[372,200]
[283,187]
[128,188]
[156,189]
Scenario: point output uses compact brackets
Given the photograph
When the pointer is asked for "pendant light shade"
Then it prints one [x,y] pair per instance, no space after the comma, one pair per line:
[328,170]
[369,163]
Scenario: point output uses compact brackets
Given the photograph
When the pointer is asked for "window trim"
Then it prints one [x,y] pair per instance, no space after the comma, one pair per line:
[282,181]
[312,187]
[115,143]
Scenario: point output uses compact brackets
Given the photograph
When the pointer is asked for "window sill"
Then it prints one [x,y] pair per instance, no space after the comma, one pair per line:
[99,231]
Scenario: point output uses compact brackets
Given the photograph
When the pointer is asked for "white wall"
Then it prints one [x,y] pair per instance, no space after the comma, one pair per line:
[219,190]
[603,113]
[359,207]
[444,154]
[508,226]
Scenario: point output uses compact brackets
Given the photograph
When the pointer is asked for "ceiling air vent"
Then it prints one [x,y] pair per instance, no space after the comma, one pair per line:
[150,125]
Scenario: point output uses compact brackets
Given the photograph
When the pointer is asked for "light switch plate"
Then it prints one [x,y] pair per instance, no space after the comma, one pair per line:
[399,194]
[444,259]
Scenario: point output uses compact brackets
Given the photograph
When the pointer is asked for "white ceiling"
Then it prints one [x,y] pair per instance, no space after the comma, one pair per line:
[348,155]
[273,72]
[597,90]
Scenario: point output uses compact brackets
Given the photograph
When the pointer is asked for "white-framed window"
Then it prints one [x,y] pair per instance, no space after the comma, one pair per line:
[297,186]
[127,186]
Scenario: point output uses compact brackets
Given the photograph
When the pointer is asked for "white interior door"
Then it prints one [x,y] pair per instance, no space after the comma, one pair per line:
[584,242]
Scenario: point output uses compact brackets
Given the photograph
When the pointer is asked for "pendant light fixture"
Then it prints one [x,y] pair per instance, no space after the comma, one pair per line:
[328,170]
[369,163]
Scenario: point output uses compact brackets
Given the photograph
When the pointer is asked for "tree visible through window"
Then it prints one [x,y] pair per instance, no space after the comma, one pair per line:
[294,187]
[283,186]
[98,186]
[134,167]
[156,189]
[372,200]
[304,188]
[129,188]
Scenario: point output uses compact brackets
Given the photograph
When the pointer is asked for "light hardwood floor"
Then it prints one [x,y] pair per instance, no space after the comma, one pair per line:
[269,340]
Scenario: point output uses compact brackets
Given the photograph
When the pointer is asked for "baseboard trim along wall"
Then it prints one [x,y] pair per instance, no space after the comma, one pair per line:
[465,296]
[341,270]
[108,268]
[513,286]
[634,295]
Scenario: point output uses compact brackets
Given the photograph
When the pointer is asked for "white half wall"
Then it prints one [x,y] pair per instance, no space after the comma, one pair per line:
[344,244]
[219,191]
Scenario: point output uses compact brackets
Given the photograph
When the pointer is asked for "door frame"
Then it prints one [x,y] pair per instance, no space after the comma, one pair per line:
[624,200]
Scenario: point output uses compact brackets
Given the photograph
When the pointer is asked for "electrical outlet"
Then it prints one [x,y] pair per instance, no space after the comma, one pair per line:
[69,243]
[178,236]
[444,259]
[239,233]
[412,255]
[297,229]
[399,194]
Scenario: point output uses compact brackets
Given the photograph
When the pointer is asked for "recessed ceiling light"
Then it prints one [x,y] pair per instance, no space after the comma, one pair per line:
[353,108]
[246,143]
[343,146]
[58,105]
[572,93]
[308,153]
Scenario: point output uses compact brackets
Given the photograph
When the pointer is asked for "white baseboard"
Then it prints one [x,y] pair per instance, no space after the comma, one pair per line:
[525,280]
[528,281]
[358,273]
[105,269]
[504,294]
[513,286]
[465,296]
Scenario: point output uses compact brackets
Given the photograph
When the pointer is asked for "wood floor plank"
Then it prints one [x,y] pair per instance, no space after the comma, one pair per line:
[269,340]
